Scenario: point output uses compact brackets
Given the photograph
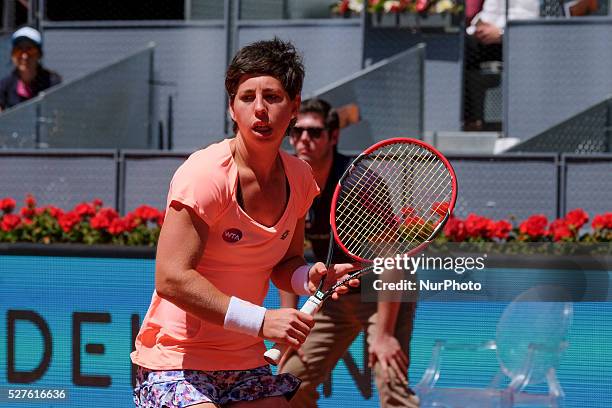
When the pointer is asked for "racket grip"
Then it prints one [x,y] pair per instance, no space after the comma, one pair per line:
[278,350]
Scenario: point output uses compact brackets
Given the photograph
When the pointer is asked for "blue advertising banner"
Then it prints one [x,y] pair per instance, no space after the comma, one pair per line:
[67,326]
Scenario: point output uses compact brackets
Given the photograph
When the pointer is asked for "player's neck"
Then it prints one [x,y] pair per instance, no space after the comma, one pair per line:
[262,163]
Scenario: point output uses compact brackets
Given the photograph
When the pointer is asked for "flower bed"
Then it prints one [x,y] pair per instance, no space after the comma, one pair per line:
[92,223]
[573,227]
[87,223]
[422,7]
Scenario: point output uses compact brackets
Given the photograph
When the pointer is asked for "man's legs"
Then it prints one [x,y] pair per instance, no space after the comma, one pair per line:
[334,330]
[474,86]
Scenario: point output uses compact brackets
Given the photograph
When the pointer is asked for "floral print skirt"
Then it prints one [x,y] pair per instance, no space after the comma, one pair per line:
[182,388]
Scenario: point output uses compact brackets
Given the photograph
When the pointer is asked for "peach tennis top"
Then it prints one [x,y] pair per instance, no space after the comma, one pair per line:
[238,259]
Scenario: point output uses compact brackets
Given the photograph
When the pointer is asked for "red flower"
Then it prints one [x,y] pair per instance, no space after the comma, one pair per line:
[7,204]
[69,220]
[602,221]
[145,212]
[84,209]
[30,201]
[117,226]
[28,212]
[103,218]
[440,208]
[99,222]
[343,7]
[534,226]
[421,5]
[131,221]
[560,230]
[10,222]
[577,218]
[455,229]
[408,211]
[500,229]
[97,203]
[414,222]
[53,211]
[478,226]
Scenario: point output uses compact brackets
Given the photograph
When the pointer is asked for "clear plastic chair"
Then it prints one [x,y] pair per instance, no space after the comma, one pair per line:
[531,336]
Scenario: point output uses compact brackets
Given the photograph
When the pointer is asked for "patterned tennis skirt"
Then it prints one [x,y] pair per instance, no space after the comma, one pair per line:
[182,388]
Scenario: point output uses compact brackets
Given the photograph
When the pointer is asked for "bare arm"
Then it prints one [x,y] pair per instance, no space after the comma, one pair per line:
[181,244]
[385,348]
[288,299]
[281,272]
[386,318]
[294,258]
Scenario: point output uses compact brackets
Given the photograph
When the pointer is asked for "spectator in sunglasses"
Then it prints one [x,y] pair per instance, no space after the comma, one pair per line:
[29,77]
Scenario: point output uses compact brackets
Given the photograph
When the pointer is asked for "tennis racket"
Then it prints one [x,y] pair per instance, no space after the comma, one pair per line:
[393,199]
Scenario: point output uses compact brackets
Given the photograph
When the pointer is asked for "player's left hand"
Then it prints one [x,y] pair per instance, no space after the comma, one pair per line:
[386,350]
[335,273]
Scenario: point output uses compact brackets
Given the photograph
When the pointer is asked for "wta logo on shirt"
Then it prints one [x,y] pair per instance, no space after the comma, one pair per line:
[232,235]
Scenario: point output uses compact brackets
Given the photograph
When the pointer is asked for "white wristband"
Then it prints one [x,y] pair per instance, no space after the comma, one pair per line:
[299,280]
[244,317]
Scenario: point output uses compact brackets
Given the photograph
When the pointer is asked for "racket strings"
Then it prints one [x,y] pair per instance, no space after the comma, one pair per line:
[381,188]
[398,176]
[356,186]
[393,187]
[382,232]
[440,183]
[374,192]
[426,224]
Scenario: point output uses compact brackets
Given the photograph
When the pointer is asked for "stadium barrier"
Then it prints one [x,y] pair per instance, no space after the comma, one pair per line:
[554,69]
[400,77]
[590,131]
[72,313]
[108,108]
[498,186]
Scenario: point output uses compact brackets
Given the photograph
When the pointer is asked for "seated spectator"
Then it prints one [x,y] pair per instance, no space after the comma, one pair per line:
[483,44]
[29,77]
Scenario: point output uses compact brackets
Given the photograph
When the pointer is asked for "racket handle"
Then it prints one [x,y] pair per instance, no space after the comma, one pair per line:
[278,350]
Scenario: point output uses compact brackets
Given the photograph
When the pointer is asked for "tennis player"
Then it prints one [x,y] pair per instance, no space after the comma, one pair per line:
[235,219]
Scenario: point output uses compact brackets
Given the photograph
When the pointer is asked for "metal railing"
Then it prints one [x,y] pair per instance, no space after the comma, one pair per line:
[498,186]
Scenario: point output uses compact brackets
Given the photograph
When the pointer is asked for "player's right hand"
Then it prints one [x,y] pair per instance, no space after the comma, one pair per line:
[287,326]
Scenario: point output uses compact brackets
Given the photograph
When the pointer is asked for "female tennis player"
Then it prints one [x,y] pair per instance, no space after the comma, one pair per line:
[235,219]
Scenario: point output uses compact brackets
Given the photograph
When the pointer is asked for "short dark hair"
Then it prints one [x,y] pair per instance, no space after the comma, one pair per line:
[323,108]
[276,58]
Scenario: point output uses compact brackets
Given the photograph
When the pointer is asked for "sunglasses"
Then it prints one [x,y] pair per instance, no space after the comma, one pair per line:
[313,132]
